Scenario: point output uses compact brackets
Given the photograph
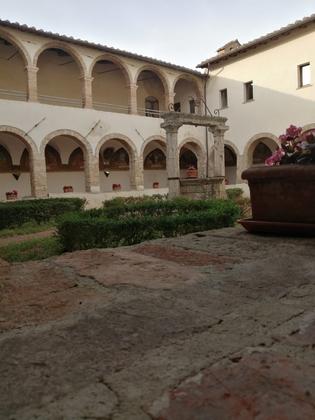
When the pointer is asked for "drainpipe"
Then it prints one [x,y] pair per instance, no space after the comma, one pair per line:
[207,133]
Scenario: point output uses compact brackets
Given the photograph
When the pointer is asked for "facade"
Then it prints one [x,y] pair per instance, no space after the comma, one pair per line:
[84,118]
[261,88]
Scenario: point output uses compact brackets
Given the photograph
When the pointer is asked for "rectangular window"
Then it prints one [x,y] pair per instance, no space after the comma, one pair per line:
[224,98]
[177,107]
[304,75]
[249,91]
[192,106]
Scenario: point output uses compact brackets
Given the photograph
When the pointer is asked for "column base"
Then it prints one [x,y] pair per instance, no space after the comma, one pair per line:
[203,188]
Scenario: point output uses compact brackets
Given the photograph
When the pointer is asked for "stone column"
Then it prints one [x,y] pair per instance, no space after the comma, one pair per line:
[218,152]
[136,174]
[169,100]
[172,158]
[32,95]
[133,106]
[87,99]
[38,176]
[92,174]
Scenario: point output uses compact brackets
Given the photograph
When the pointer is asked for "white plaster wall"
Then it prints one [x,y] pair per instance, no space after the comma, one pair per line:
[9,183]
[115,177]
[278,102]
[24,116]
[57,180]
[184,92]
[151,176]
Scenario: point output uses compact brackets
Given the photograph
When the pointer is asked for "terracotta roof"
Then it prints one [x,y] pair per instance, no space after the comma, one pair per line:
[272,36]
[47,34]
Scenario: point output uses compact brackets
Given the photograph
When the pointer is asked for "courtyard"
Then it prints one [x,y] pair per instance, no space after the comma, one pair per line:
[213,325]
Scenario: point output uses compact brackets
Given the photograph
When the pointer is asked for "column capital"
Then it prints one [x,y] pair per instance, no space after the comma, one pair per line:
[171,126]
[219,131]
[132,86]
[31,69]
[86,78]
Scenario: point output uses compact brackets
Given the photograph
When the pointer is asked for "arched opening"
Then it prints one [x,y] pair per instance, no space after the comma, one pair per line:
[59,78]
[186,95]
[230,159]
[188,160]
[14,166]
[154,165]
[260,153]
[110,92]
[152,106]
[65,165]
[150,93]
[115,160]
[13,77]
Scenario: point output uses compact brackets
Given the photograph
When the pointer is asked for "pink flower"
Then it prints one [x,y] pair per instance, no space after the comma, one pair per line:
[275,158]
[293,131]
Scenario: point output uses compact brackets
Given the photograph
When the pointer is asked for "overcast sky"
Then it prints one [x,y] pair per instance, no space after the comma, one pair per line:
[179,31]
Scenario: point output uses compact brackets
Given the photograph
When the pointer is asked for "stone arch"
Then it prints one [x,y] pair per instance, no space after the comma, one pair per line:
[199,150]
[163,79]
[87,148]
[37,180]
[154,173]
[232,146]
[16,42]
[308,127]
[272,142]
[231,171]
[149,140]
[189,78]
[82,181]
[124,176]
[65,47]
[116,136]
[26,139]
[116,60]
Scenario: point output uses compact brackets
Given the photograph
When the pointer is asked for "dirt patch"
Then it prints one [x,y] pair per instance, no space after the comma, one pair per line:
[36,292]
[258,386]
[182,256]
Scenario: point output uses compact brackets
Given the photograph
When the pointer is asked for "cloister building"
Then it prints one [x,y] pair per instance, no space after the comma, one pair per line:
[81,117]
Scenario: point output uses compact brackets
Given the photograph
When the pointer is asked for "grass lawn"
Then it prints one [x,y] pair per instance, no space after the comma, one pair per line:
[27,228]
[36,249]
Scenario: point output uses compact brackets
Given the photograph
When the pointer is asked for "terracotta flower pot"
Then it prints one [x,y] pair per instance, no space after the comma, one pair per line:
[192,172]
[67,188]
[11,195]
[283,196]
[116,187]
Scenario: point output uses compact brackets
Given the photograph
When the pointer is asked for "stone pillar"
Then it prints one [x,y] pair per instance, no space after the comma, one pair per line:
[218,152]
[38,176]
[92,174]
[136,174]
[133,106]
[32,95]
[172,158]
[87,98]
[169,100]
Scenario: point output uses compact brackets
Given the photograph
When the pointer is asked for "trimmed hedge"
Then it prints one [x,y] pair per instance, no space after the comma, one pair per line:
[156,208]
[102,229]
[17,213]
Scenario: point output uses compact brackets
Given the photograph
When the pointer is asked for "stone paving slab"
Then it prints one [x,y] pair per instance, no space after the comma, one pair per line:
[215,325]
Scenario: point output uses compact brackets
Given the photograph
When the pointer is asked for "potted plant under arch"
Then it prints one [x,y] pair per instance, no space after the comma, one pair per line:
[283,191]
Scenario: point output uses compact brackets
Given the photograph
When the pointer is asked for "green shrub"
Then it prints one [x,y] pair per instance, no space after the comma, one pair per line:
[140,222]
[234,193]
[17,213]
